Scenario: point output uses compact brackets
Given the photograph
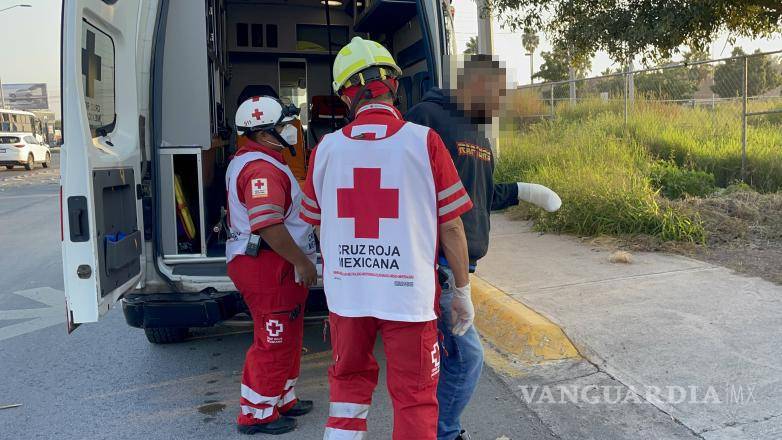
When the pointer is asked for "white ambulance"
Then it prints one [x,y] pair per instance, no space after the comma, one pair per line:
[149,92]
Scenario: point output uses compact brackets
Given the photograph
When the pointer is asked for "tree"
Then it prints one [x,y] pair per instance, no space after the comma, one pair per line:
[555,65]
[666,83]
[762,75]
[699,71]
[624,28]
[472,46]
[671,83]
[530,41]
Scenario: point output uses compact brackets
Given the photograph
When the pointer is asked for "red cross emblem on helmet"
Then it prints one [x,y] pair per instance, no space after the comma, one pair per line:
[260,112]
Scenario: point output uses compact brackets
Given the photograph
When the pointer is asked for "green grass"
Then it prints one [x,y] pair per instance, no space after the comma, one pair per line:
[601,178]
[700,138]
[612,177]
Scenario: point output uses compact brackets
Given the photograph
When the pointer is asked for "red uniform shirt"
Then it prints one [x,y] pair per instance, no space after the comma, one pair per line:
[452,200]
[263,189]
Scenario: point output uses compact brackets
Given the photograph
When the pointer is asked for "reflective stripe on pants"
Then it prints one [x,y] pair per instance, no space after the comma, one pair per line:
[344,434]
[271,366]
[413,361]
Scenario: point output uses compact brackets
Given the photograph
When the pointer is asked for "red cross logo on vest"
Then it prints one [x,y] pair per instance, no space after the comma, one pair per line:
[257,113]
[367,202]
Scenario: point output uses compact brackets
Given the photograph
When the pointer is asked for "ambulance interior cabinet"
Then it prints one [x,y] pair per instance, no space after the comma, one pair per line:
[182,203]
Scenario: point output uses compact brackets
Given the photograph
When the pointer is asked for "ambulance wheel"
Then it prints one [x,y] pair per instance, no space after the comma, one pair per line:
[30,164]
[47,161]
[165,335]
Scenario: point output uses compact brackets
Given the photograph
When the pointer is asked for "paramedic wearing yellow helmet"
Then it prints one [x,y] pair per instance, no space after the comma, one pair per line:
[385,194]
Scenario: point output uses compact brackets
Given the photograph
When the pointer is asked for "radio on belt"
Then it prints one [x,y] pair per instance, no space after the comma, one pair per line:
[253,245]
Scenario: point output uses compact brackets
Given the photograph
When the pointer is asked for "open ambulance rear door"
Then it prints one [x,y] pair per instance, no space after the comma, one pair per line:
[105,58]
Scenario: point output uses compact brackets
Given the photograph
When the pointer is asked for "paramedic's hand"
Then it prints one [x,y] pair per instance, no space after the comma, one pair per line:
[539,196]
[462,310]
[306,273]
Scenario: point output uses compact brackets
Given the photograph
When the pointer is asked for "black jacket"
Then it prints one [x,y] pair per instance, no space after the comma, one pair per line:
[472,155]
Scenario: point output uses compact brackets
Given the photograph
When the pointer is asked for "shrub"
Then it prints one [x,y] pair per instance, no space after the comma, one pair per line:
[674,182]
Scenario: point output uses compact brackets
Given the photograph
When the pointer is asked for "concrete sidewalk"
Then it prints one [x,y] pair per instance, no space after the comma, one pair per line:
[708,339]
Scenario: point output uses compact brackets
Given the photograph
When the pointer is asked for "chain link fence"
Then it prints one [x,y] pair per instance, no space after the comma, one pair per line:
[727,108]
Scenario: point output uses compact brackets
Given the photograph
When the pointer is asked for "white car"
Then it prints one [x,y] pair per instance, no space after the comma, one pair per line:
[23,149]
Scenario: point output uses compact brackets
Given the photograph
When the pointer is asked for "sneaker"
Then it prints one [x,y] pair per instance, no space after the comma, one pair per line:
[299,409]
[279,426]
[463,436]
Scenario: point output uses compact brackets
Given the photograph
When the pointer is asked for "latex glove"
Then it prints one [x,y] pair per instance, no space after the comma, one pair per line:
[539,195]
[462,310]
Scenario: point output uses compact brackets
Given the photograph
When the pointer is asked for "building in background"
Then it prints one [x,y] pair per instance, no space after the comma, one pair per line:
[47,119]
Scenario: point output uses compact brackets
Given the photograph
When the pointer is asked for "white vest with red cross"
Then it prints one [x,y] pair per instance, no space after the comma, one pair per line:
[379,224]
[239,219]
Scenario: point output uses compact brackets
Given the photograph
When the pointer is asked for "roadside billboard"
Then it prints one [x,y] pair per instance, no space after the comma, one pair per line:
[31,96]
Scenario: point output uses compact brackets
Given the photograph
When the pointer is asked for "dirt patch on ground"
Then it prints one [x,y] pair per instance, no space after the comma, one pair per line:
[744,233]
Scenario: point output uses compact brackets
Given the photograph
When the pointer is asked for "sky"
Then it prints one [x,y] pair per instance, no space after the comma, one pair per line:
[33,54]
[30,50]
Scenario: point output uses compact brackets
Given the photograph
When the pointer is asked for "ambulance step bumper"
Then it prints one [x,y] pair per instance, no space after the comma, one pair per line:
[203,309]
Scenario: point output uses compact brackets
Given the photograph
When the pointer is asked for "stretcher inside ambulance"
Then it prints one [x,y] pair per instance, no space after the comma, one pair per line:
[150,88]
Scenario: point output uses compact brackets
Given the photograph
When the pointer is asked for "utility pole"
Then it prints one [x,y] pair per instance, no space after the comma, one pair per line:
[531,69]
[2,95]
[486,47]
[485,31]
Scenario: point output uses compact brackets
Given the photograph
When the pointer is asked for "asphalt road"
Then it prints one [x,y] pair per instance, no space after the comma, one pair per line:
[105,381]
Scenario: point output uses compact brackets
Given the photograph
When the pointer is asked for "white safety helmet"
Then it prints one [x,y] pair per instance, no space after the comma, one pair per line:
[264,113]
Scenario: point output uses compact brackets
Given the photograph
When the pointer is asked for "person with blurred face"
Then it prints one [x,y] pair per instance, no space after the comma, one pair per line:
[460,116]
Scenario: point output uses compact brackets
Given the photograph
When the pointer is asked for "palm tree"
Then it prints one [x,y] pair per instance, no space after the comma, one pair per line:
[530,41]
[472,46]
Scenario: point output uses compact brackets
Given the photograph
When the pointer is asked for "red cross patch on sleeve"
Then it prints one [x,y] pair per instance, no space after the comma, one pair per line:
[260,187]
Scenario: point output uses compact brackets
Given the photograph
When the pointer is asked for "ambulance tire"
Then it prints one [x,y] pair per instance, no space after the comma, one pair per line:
[166,335]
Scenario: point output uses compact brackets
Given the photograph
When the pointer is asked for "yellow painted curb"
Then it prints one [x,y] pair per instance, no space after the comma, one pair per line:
[515,328]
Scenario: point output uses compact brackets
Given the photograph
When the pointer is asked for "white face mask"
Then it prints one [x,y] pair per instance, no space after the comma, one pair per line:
[290,134]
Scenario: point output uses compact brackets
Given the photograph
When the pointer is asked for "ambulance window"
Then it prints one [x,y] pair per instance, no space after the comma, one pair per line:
[271,35]
[241,35]
[97,73]
[257,35]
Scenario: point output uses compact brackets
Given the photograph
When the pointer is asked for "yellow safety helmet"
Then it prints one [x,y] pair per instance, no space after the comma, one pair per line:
[357,57]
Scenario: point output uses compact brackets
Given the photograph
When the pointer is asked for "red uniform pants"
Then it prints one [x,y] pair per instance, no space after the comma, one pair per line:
[276,303]
[413,361]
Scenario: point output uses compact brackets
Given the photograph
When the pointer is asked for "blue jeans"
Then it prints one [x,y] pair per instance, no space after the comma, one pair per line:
[461,362]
